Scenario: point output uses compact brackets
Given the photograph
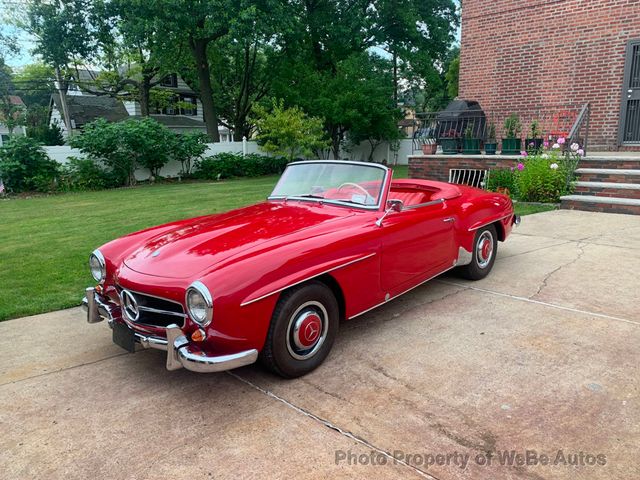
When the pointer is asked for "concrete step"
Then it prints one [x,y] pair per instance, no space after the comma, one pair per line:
[608,162]
[609,175]
[593,203]
[608,189]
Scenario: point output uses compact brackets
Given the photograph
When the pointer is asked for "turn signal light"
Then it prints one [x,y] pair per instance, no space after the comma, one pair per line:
[198,335]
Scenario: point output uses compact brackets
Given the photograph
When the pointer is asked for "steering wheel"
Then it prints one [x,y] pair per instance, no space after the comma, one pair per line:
[355,185]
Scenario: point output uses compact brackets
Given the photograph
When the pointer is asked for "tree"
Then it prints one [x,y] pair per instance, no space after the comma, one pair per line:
[63,35]
[289,131]
[453,77]
[413,32]
[35,83]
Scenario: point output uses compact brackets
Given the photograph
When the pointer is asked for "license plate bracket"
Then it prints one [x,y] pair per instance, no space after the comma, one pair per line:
[124,337]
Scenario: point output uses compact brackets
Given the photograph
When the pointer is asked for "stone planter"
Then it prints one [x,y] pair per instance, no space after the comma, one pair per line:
[491,147]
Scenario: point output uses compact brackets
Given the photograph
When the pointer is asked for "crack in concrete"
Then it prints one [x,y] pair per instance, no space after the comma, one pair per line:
[545,304]
[502,257]
[328,424]
[548,276]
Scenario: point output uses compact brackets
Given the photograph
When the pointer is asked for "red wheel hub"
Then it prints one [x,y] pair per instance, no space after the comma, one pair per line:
[309,330]
[486,249]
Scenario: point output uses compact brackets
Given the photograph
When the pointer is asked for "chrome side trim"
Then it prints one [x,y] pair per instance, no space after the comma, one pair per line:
[426,204]
[473,229]
[307,279]
[400,294]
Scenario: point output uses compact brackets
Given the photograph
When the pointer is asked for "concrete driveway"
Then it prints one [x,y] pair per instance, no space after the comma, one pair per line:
[543,356]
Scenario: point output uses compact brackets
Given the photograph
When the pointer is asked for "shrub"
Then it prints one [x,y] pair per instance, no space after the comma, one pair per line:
[85,174]
[502,179]
[47,135]
[289,131]
[124,146]
[25,166]
[228,165]
[512,126]
[188,147]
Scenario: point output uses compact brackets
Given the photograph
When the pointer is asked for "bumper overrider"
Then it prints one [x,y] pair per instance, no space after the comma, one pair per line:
[180,352]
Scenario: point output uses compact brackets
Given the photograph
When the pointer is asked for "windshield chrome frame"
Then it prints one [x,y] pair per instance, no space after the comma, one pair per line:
[384,184]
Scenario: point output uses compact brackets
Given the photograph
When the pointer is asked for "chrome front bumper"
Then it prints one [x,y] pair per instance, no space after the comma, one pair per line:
[180,353]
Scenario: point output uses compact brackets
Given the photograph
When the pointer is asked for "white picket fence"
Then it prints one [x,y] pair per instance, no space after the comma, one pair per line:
[61,154]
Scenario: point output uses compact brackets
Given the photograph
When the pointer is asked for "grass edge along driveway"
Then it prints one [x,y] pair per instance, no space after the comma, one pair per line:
[45,241]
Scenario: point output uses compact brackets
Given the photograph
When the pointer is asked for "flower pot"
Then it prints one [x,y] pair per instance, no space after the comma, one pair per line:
[471,146]
[511,146]
[450,146]
[534,144]
[490,148]
[429,148]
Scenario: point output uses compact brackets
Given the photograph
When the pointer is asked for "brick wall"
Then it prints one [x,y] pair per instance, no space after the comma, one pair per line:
[522,54]
[436,167]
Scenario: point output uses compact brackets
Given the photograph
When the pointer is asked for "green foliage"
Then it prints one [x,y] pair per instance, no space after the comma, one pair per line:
[124,146]
[512,126]
[537,182]
[502,179]
[229,165]
[535,129]
[491,131]
[453,77]
[187,148]
[34,84]
[24,166]
[84,174]
[288,131]
[46,135]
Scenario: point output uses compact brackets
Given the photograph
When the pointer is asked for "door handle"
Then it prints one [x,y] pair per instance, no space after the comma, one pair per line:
[449,220]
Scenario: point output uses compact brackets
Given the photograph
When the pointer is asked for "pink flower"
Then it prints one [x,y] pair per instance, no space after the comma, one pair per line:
[546,144]
[524,154]
[521,166]
[562,140]
[575,147]
[580,152]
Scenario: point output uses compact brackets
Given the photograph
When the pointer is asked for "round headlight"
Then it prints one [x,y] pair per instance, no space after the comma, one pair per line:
[199,303]
[97,266]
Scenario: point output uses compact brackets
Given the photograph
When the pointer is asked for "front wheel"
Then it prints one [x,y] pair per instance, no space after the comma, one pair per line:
[485,247]
[302,331]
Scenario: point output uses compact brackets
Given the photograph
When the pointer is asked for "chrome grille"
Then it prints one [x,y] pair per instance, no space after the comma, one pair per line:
[151,310]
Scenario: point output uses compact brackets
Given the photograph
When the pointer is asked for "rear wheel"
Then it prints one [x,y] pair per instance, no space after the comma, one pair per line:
[485,247]
[302,331]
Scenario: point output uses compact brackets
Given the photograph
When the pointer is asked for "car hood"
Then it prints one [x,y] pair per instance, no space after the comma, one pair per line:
[198,244]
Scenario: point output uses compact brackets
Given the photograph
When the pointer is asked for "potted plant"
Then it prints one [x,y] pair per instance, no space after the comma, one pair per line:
[450,142]
[491,145]
[511,142]
[430,146]
[534,144]
[470,144]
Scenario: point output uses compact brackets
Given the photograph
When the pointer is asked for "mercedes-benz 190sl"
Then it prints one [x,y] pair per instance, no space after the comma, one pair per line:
[273,281]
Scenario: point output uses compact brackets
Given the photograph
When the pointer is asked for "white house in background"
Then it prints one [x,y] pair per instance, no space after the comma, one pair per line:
[4,131]
[85,107]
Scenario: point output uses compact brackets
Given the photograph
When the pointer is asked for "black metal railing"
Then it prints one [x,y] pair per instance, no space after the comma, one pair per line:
[580,131]
[552,122]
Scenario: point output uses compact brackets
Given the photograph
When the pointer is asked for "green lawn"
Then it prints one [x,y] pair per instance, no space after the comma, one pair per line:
[45,241]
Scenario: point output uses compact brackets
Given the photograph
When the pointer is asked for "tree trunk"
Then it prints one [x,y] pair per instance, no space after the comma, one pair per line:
[62,91]
[335,142]
[395,79]
[145,92]
[199,50]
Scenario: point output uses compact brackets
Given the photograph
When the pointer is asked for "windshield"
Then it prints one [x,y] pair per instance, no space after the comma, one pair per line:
[335,182]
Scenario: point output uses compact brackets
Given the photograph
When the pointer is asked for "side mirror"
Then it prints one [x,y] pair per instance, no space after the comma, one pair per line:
[395,205]
[392,206]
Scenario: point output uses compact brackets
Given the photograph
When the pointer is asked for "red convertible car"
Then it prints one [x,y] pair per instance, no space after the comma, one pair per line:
[274,280]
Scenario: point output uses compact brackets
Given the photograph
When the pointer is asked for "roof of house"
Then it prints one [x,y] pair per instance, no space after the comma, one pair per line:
[176,121]
[16,100]
[85,108]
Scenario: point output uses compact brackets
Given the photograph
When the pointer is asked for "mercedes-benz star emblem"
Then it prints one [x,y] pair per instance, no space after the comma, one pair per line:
[311,331]
[130,305]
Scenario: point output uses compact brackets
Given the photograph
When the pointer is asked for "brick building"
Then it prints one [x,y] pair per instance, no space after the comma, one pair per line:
[528,55]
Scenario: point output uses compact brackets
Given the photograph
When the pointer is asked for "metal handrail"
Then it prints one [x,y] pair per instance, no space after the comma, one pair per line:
[582,120]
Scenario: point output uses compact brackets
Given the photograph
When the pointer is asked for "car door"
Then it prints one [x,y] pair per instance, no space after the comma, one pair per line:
[416,243]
